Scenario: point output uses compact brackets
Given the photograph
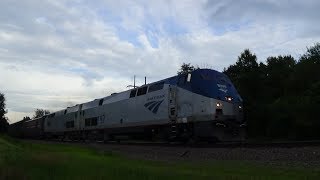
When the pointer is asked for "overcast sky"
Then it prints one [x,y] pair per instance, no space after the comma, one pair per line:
[55,54]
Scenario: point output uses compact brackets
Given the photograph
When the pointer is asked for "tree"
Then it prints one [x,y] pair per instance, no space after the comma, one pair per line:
[245,75]
[40,112]
[306,94]
[26,118]
[307,69]
[278,76]
[186,68]
[313,54]
[3,120]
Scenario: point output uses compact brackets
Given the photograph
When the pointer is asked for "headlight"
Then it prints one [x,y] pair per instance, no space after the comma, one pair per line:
[228,98]
[219,105]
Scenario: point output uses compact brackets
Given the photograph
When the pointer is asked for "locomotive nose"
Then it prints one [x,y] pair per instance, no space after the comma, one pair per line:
[228,111]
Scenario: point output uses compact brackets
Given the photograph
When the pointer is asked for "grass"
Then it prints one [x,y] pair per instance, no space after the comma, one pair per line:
[24,160]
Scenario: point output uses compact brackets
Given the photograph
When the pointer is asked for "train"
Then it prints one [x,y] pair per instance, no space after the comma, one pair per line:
[200,105]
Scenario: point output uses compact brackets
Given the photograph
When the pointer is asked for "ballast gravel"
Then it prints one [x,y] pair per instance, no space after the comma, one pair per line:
[282,156]
[305,156]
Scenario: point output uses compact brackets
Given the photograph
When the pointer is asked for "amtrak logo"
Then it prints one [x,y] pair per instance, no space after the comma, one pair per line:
[222,88]
[153,106]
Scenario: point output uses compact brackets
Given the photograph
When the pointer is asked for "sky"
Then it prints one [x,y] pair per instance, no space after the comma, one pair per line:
[55,54]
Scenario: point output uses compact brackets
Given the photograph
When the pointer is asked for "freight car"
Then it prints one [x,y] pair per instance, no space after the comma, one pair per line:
[202,104]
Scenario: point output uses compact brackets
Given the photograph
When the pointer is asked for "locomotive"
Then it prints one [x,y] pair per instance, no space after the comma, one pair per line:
[200,105]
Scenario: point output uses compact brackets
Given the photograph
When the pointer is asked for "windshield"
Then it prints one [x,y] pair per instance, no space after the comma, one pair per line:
[214,84]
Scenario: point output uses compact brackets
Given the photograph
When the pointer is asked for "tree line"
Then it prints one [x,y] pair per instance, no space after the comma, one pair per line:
[281,96]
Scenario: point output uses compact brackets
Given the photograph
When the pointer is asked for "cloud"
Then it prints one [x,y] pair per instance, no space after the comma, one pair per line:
[269,10]
[54,54]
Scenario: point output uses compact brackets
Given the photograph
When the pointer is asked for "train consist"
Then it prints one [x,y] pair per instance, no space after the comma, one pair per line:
[202,104]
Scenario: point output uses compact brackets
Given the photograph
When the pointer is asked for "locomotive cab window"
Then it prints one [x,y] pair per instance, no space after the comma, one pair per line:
[142,91]
[221,79]
[133,93]
[207,76]
[156,87]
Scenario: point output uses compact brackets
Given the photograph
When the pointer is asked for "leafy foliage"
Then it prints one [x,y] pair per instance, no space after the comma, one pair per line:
[281,97]
[186,68]
[26,118]
[3,120]
[40,113]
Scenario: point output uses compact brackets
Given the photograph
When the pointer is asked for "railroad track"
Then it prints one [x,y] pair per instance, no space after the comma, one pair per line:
[245,144]
[284,144]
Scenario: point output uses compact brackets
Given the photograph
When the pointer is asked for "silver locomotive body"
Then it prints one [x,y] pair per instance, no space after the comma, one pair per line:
[203,104]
